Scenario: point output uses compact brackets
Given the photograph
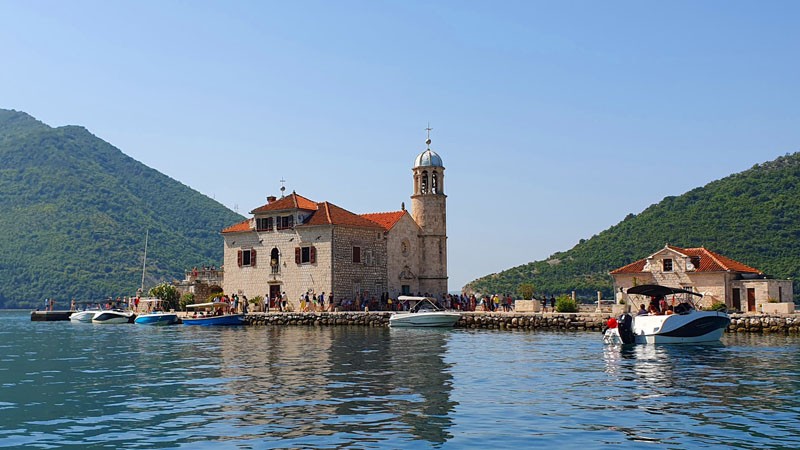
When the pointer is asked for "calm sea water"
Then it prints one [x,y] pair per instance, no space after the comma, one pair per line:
[130,386]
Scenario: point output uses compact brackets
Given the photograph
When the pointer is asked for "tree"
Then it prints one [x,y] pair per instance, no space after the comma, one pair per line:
[168,294]
[526,291]
[186,299]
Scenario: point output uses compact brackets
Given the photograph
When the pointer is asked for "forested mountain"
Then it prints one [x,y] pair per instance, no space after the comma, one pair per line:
[74,211]
[752,217]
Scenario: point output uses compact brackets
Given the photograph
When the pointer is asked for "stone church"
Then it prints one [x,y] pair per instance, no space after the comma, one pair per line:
[296,245]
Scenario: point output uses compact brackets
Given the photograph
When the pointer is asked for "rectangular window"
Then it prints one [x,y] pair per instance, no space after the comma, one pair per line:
[246,258]
[695,260]
[667,265]
[285,222]
[369,259]
[356,254]
[264,224]
[305,255]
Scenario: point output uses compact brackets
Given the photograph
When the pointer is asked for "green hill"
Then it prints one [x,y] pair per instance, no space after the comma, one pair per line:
[752,216]
[74,211]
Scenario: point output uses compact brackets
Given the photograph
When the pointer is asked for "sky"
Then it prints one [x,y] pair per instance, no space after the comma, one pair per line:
[554,119]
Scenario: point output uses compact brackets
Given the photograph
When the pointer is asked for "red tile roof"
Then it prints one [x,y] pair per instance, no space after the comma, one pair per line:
[239,227]
[387,220]
[709,262]
[714,262]
[330,214]
[291,201]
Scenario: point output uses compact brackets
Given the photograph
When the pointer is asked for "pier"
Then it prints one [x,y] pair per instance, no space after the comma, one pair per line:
[50,316]
[581,321]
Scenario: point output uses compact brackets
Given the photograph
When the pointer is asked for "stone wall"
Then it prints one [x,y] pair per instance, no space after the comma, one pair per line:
[740,323]
[367,276]
[766,323]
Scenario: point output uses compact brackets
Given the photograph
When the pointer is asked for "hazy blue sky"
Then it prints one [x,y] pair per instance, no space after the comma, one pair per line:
[554,119]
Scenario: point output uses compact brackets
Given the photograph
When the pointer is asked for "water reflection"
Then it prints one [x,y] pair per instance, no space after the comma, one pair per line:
[698,390]
[345,384]
[421,373]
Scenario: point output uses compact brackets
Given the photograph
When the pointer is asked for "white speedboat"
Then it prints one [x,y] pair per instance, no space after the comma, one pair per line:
[83,316]
[683,324]
[423,312]
[113,316]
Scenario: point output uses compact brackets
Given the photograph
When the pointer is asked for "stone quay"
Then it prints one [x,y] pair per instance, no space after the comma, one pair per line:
[582,321]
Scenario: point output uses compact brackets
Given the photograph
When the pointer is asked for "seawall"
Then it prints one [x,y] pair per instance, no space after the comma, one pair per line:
[582,321]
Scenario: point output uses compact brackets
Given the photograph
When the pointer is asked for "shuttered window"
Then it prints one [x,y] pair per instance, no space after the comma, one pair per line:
[305,255]
[246,258]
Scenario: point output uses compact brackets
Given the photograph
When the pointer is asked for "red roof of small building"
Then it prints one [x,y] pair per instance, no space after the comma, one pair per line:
[386,220]
[239,227]
[291,201]
[329,214]
[709,262]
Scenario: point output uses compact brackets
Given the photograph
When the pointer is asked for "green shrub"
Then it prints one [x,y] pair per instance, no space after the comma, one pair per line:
[717,306]
[167,293]
[525,291]
[186,299]
[565,304]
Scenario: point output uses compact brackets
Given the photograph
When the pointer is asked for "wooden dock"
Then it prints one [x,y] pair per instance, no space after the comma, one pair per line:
[50,316]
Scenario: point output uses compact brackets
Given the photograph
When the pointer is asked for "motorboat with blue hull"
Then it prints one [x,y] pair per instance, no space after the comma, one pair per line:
[157,318]
[682,324]
[423,312]
[152,313]
[213,314]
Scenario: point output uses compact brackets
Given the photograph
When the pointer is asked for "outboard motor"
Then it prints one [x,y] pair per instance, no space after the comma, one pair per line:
[625,328]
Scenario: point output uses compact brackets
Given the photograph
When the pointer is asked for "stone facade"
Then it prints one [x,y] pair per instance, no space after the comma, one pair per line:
[295,246]
[366,277]
[718,278]
[403,250]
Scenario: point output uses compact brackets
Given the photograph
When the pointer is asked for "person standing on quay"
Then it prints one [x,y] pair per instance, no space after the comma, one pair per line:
[553,303]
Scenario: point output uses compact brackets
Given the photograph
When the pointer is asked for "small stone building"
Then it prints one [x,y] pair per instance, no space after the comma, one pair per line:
[295,245]
[718,278]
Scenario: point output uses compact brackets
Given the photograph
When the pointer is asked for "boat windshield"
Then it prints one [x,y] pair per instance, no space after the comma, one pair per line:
[420,304]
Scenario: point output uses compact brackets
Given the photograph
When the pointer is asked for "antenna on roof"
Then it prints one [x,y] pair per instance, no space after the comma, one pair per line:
[283,188]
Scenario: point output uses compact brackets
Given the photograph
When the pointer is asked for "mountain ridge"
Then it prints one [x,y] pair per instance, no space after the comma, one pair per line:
[75,210]
[752,216]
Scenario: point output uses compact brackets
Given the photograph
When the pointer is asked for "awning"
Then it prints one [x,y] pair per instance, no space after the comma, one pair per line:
[656,290]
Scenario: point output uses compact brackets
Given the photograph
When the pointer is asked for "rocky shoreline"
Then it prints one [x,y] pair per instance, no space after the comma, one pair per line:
[740,323]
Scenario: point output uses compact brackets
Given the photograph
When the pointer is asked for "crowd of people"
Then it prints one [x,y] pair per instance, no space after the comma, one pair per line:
[310,301]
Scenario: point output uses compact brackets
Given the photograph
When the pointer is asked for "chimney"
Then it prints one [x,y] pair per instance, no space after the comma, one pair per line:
[271,199]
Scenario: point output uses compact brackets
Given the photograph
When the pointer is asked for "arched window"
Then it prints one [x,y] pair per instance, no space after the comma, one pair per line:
[435,183]
[424,186]
[275,260]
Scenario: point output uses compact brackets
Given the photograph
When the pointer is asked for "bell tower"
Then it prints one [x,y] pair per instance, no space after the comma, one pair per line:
[429,210]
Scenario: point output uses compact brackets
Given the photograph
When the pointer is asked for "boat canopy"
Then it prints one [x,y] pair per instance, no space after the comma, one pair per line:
[656,290]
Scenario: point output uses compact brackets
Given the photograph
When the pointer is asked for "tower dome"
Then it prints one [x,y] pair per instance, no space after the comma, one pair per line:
[428,158]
